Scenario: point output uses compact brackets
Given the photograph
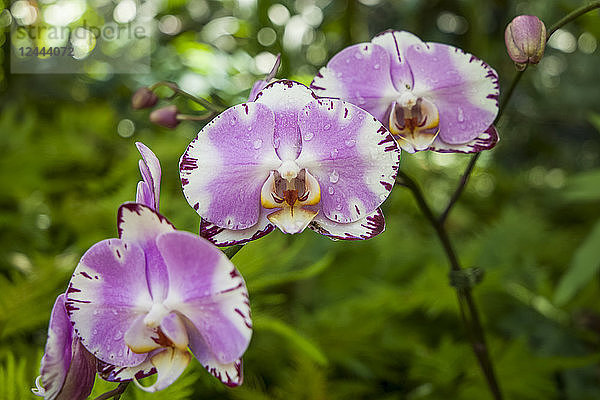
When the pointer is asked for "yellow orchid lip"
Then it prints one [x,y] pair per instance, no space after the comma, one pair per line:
[414,123]
[291,196]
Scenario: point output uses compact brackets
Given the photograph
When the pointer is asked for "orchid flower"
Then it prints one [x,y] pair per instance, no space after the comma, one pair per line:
[68,369]
[289,160]
[431,96]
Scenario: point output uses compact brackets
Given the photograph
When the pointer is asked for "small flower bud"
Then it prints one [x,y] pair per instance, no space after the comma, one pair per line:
[166,116]
[143,98]
[525,39]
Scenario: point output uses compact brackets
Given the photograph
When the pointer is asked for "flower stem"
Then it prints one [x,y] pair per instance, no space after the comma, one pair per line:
[466,302]
[115,393]
[465,176]
[571,16]
[199,100]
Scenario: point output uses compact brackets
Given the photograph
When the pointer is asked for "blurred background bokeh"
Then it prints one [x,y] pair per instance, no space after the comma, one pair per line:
[333,320]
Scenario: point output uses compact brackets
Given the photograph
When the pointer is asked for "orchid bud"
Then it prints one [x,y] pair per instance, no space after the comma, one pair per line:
[166,116]
[525,39]
[143,98]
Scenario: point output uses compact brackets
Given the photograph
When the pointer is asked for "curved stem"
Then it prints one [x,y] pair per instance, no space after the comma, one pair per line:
[466,302]
[465,176]
[571,16]
[199,100]
[115,393]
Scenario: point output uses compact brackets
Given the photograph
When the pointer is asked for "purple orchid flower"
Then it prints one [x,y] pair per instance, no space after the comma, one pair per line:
[289,160]
[136,304]
[68,369]
[432,96]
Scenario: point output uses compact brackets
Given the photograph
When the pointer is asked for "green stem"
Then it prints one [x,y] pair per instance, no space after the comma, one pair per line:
[199,100]
[232,251]
[115,393]
[571,16]
[466,302]
[186,117]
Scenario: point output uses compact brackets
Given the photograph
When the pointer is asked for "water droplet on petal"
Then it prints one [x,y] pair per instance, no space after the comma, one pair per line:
[308,136]
[95,331]
[331,190]
[461,115]
[249,128]
[350,142]
[118,335]
[257,144]
[376,66]
[334,176]
[334,153]
[327,127]
[338,207]
[114,312]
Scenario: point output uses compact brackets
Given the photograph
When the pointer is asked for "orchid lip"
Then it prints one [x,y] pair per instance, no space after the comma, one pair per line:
[291,196]
[414,122]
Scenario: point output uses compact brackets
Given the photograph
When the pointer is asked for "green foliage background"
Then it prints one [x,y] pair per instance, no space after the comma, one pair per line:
[333,320]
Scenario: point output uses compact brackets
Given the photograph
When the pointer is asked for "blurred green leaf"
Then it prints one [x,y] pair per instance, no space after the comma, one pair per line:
[583,187]
[299,341]
[584,266]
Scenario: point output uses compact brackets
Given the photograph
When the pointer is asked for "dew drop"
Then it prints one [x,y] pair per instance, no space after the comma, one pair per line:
[95,331]
[350,142]
[376,66]
[249,128]
[334,176]
[334,153]
[120,353]
[331,190]
[118,336]
[308,136]
[338,207]
[327,127]
[257,144]
[461,115]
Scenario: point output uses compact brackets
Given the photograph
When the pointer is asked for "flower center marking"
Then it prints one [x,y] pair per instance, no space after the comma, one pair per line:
[414,122]
[290,190]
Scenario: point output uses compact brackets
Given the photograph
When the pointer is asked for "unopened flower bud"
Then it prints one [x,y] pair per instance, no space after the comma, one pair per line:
[143,98]
[166,116]
[525,39]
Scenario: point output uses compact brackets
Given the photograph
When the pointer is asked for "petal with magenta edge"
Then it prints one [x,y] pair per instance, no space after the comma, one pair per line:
[67,368]
[107,292]
[352,156]
[485,141]
[463,88]
[150,169]
[365,228]
[224,168]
